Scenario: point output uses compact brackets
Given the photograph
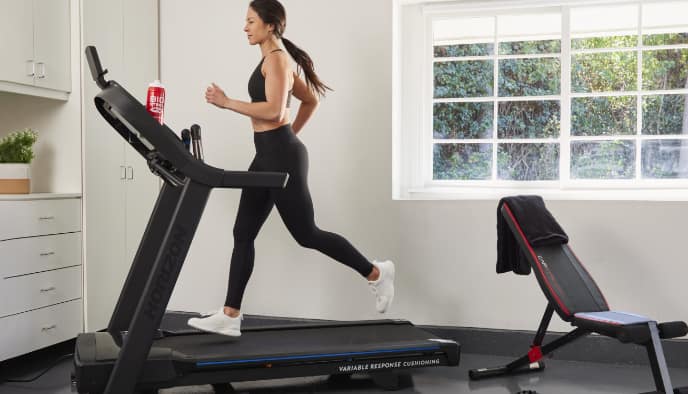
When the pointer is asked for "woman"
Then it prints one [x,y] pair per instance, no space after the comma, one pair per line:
[278,149]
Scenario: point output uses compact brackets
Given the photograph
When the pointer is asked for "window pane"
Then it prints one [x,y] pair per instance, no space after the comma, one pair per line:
[463,50]
[462,161]
[604,42]
[665,158]
[665,13]
[464,79]
[529,119]
[529,47]
[604,18]
[462,120]
[529,77]
[603,72]
[463,28]
[665,39]
[665,114]
[528,162]
[602,159]
[665,69]
[603,115]
[528,25]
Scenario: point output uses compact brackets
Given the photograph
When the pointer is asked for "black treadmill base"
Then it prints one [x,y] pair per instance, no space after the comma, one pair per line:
[390,380]
[380,349]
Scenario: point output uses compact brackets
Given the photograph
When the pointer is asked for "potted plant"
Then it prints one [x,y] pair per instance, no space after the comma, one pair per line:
[16,153]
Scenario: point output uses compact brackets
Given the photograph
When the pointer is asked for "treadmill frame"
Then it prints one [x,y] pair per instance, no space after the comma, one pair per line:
[149,285]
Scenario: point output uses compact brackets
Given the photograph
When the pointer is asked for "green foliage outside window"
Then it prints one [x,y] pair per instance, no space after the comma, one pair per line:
[663,114]
[463,79]
[611,116]
[604,42]
[603,159]
[604,72]
[666,39]
[463,120]
[462,161]
[463,50]
[529,119]
[529,47]
[665,69]
[603,115]
[528,162]
[529,77]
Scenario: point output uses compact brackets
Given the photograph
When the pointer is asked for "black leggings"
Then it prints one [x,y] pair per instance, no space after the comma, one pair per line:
[280,150]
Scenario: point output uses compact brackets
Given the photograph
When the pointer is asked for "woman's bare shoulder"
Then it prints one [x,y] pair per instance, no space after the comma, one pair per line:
[278,60]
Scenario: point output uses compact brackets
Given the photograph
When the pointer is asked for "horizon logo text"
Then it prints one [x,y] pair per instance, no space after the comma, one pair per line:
[164,280]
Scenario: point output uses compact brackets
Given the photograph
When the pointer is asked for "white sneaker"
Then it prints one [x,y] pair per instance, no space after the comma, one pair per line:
[218,323]
[383,287]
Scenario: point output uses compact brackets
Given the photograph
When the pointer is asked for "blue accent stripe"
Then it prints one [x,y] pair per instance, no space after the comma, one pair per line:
[313,356]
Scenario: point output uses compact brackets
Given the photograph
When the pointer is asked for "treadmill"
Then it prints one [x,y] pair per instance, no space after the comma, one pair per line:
[136,354]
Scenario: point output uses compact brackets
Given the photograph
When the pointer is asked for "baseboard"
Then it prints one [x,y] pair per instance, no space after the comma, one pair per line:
[592,348]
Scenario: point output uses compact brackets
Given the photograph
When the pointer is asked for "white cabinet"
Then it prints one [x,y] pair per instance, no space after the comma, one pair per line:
[40,271]
[119,189]
[35,47]
[52,44]
[16,41]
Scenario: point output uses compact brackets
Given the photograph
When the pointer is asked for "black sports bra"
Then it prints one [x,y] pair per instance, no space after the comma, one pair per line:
[256,85]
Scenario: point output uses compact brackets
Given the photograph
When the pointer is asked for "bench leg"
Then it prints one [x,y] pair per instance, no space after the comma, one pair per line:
[655,353]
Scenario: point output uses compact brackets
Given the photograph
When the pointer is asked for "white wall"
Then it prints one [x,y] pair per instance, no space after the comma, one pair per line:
[445,250]
[57,166]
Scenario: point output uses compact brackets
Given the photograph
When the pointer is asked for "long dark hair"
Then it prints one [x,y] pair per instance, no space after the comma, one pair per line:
[272,13]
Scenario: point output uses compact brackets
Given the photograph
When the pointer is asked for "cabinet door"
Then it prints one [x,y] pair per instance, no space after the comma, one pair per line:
[105,263]
[16,41]
[52,44]
[141,194]
[140,55]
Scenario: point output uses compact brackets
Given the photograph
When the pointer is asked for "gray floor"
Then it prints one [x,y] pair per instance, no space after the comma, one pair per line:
[560,377]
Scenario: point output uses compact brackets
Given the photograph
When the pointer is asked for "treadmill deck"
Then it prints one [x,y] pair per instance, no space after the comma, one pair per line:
[320,348]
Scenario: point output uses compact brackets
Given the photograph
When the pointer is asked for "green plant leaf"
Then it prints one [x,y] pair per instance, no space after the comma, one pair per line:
[17,147]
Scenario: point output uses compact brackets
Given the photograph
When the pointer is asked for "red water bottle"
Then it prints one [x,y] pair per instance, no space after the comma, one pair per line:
[155,102]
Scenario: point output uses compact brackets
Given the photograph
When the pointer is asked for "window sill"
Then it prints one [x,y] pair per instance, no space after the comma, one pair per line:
[482,193]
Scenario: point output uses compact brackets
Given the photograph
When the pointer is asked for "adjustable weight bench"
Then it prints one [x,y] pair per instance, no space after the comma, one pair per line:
[577,299]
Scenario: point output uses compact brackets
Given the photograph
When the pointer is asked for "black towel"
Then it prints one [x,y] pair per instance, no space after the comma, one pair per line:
[538,226]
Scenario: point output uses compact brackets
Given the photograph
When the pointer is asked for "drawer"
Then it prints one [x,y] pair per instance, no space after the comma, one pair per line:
[30,255]
[39,217]
[26,332]
[21,293]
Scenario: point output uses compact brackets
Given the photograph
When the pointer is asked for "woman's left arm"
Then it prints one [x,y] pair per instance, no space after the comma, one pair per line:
[277,76]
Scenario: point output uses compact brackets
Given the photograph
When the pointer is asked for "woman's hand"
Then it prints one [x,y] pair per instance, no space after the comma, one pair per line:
[216,96]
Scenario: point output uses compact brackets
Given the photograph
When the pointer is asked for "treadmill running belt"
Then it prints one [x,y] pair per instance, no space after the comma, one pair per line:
[175,322]
[300,344]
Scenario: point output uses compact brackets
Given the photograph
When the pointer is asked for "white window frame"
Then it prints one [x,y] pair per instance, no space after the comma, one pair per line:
[413,173]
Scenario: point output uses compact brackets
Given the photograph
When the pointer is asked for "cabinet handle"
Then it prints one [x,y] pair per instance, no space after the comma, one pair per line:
[47,254]
[47,328]
[30,68]
[46,218]
[122,172]
[41,70]
[51,288]
[130,172]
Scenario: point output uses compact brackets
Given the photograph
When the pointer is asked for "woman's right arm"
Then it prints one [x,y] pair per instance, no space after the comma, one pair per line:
[309,103]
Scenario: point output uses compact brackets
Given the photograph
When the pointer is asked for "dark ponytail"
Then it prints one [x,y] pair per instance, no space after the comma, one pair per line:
[272,13]
[306,64]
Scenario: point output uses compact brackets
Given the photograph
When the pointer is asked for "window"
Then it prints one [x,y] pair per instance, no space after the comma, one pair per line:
[561,98]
